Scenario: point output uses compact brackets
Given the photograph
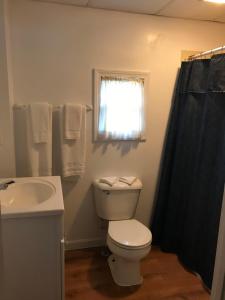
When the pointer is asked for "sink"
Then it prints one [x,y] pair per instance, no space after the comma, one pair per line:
[37,195]
[26,194]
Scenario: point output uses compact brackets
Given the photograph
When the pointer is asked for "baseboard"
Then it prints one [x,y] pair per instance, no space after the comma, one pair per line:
[84,243]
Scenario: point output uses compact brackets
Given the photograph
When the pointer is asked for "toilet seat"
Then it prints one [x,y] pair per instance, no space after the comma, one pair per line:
[129,234]
[130,248]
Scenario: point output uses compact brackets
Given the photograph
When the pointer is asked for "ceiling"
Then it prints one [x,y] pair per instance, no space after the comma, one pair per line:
[188,9]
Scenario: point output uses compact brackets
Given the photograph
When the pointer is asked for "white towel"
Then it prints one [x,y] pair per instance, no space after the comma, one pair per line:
[32,159]
[72,121]
[128,179]
[108,180]
[40,115]
[73,152]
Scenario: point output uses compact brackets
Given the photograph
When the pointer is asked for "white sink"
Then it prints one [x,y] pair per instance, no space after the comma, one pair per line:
[31,195]
[26,194]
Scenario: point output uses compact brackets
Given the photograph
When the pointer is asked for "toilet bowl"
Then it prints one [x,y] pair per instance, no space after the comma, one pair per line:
[129,242]
[128,239]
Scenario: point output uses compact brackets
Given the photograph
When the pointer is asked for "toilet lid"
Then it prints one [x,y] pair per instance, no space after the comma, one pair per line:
[129,233]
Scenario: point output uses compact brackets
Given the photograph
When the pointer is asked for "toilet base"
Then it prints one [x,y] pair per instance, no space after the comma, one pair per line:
[125,272]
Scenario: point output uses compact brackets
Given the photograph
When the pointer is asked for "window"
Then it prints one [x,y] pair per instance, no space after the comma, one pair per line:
[119,105]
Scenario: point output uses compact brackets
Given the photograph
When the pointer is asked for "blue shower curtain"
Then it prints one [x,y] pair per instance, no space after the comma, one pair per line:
[189,198]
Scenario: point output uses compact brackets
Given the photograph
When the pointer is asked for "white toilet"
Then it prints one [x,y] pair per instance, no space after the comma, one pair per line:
[128,239]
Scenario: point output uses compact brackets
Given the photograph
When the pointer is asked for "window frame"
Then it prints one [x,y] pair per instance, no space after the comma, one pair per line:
[98,74]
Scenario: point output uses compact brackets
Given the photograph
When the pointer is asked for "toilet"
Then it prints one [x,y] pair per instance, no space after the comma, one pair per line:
[128,239]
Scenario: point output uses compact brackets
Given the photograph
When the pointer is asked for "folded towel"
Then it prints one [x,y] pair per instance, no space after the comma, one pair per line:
[73,152]
[72,121]
[40,115]
[32,159]
[108,180]
[128,179]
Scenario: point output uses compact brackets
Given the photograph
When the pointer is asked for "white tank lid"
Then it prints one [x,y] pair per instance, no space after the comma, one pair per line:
[130,233]
[136,185]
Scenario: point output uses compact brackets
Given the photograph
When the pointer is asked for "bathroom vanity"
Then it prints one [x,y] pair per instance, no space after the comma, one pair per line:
[31,245]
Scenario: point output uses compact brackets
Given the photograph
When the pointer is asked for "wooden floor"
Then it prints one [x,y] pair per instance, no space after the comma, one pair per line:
[87,277]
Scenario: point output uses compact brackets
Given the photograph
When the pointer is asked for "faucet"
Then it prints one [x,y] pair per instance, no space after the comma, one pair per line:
[4,185]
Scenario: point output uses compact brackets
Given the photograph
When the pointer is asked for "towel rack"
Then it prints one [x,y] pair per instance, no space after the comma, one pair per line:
[20,106]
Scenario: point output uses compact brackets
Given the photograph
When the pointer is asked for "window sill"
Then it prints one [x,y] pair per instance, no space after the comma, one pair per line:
[111,140]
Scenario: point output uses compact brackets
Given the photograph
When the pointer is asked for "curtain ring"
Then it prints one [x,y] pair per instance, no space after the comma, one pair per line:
[211,54]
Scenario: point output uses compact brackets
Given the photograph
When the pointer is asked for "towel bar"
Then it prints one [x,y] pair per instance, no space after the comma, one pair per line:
[20,106]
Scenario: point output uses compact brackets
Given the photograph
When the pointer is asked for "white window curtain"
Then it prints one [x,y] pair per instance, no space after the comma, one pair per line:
[121,111]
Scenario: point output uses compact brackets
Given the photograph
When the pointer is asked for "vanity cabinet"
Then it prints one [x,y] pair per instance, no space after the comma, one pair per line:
[32,258]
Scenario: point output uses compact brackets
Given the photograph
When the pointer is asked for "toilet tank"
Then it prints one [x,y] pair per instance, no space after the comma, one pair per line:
[117,202]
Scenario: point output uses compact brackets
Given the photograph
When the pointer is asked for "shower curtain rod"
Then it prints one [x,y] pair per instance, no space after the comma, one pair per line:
[209,52]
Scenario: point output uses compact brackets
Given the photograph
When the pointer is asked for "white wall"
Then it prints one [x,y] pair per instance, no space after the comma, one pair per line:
[7,162]
[54,49]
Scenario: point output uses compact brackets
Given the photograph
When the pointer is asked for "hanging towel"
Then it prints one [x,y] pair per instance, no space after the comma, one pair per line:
[41,117]
[128,179]
[108,180]
[32,159]
[72,121]
[73,152]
